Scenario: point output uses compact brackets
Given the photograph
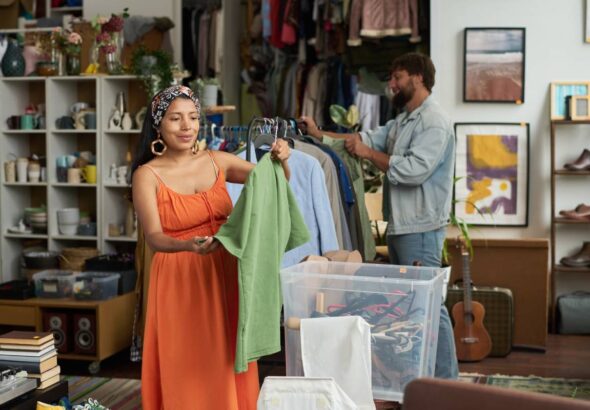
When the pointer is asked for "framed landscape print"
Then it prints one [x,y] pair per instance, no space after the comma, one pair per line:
[494,65]
[491,171]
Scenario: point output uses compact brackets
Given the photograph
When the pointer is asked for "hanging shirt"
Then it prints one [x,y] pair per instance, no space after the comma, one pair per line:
[356,171]
[265,222]
[309,188]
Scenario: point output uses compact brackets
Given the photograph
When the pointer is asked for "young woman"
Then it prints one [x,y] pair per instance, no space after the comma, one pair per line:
[181,200]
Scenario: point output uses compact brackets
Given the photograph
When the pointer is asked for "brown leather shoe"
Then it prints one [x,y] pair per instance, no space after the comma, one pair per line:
[581,213]
[580,259]
[582,163]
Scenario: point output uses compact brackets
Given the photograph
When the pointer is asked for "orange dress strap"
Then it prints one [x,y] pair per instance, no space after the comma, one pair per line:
[215,166]
[156,174]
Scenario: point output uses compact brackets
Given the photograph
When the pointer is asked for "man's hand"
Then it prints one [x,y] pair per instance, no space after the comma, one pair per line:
[312,127]
[354,145]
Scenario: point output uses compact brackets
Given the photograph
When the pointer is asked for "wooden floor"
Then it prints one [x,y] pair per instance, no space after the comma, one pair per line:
[566,356]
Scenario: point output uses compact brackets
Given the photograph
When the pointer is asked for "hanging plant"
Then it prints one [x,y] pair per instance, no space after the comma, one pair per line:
[154,68]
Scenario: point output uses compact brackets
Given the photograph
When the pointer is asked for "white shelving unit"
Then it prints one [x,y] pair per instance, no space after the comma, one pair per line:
[105,201]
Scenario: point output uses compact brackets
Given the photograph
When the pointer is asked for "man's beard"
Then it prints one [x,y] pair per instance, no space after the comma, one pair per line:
[403,96]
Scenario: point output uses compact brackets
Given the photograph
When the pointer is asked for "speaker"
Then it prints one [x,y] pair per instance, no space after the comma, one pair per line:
[85,333]
[58,323]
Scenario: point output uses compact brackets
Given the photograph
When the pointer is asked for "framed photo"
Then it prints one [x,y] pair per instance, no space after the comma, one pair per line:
[560,90]
[580,107]
[494,65]
[491,167]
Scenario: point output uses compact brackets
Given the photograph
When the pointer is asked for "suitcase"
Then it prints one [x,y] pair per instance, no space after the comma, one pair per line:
[572,313]
[499,317]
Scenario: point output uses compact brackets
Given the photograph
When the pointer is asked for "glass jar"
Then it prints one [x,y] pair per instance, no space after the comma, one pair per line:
[73,64]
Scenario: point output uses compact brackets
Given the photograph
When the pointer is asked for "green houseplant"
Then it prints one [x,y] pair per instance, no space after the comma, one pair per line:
[154,67]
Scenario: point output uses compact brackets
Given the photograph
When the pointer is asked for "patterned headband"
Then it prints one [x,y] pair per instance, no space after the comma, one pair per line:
[164,98]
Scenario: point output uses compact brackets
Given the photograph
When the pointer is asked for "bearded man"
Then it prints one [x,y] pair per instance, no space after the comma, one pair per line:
[416,151]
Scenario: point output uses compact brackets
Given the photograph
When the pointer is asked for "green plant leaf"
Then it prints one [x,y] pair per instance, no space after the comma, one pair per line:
[338,115]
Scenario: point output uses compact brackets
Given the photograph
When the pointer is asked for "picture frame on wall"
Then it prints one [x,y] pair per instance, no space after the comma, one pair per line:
[560,91]
[494,64]
[492,174]
[579,108]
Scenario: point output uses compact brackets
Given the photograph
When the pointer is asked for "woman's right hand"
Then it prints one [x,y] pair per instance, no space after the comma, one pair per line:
[312,127]
[203,245]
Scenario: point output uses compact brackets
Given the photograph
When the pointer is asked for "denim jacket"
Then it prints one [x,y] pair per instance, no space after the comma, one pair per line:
[421,145]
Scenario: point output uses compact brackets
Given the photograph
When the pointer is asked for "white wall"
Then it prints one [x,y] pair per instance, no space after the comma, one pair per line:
[555,51]
[147,8]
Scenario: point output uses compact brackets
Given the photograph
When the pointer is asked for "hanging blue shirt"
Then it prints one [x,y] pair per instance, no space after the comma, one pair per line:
[308,184]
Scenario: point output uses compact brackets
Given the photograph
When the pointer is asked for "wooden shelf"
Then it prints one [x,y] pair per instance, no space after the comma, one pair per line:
[563,268]
[33,131]
[72,356]
[121,238]
[569,122]
[574,173]
[112,336]
[25,235]
[66,9]
[132,131]
[566,221]
[219,109]
[113,185]
[75,237]
[74,131]
[72,185]
[25,183]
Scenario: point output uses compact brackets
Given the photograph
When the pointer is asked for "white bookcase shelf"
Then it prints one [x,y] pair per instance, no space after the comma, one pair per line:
[105,201]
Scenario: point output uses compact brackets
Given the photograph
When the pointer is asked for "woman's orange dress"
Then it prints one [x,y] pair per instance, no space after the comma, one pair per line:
[192,312]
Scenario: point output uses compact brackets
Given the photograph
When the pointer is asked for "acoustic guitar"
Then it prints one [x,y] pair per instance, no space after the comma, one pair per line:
[472,340]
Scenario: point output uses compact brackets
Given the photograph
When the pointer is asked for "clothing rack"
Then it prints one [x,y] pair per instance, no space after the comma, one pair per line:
[259,126]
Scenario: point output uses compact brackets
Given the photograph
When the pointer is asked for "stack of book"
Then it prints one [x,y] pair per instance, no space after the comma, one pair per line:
[33,352]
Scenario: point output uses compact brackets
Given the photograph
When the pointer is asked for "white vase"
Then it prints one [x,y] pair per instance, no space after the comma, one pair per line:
[126,122]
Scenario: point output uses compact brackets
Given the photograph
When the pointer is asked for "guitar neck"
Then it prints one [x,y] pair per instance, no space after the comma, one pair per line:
[466,282]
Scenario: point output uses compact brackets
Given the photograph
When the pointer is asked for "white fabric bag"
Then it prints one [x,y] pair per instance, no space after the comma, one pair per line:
[302,393]
[340,347]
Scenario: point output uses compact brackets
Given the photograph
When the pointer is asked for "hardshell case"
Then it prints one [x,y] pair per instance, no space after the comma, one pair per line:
[499,316]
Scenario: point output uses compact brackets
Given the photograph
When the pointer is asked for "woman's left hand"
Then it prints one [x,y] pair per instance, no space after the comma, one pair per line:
[280,151]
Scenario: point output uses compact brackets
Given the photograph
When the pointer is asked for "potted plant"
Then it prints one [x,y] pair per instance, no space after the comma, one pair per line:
[154,67]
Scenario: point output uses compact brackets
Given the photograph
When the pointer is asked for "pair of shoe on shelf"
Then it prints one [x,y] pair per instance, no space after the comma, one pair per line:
[580,213]
[580,259]
[581,164]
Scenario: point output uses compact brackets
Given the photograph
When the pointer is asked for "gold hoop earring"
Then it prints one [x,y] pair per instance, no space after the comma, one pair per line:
[195,148]
[159,141]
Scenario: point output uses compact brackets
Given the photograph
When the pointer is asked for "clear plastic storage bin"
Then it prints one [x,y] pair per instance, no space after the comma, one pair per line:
[400,303]
[54,283]
[96,285]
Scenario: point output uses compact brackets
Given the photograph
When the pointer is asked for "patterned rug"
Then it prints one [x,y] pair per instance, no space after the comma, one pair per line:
[572,388]
[116,394]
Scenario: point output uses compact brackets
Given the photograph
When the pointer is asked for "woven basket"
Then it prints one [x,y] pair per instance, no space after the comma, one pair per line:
[75,258]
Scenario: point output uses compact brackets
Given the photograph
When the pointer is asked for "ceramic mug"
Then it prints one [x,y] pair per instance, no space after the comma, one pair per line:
[10,171]
[65,123]
[74,176]
[13,122]
[114,230]
[62,174]
[89,173]
[21,169]
[28,121]
[90,120]
[34,171]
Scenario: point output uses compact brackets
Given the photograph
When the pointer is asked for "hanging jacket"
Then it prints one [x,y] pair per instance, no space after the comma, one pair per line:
[382,18]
